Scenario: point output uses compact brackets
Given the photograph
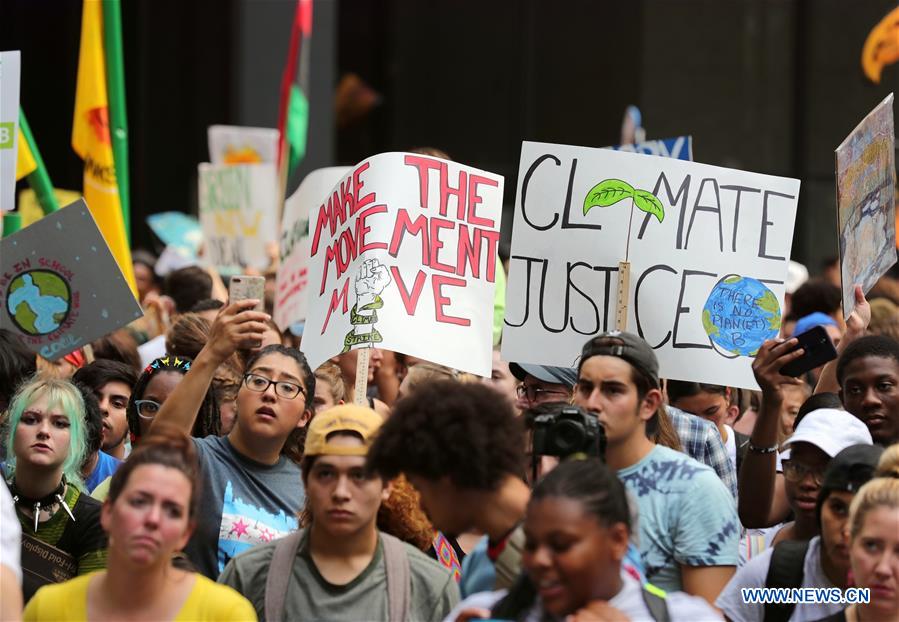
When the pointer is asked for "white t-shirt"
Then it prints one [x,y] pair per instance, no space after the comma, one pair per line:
[681,606]
[10,534]
[731,446]
[754,573]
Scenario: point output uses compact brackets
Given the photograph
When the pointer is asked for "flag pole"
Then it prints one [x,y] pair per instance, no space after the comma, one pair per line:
[118,119]
[38,179]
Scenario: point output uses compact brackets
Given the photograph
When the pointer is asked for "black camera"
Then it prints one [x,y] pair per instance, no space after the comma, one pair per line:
[565,430]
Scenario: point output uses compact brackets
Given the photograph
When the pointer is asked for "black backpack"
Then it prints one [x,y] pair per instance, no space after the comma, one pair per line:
[786,571]
[522,594]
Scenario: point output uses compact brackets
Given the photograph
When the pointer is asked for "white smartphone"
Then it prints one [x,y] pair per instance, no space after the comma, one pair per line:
[245,287]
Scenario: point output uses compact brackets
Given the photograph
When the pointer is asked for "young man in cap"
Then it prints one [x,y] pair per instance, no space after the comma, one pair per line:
[540,384]
[821,562]
[688,521]
[341,567]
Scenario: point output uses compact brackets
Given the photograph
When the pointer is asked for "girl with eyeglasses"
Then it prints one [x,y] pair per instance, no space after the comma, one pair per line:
[152,508]
[252,491]
[61,534]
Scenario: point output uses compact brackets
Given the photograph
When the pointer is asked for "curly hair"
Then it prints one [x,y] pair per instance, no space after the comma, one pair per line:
[402,517]
[879,346]
[466,432]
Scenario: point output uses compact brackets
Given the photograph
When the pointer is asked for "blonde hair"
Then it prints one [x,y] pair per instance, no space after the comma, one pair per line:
[329,372]
[882,490]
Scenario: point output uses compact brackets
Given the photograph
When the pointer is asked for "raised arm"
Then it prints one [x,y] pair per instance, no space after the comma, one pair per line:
[758,505]
[856,326]
[236,326]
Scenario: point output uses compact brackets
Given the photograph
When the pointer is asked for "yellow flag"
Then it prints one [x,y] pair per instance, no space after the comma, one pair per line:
[90,139]
[25,163]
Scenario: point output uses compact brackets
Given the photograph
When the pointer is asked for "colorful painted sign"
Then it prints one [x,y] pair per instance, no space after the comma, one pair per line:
[60,287]
[403,255]
[708,249]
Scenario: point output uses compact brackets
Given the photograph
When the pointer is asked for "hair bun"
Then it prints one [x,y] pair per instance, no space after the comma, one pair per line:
[889,462]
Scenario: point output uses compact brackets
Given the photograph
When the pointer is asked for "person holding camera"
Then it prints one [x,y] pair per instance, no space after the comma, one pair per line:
[688,530]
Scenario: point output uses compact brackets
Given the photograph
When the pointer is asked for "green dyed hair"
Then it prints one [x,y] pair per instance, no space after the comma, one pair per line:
[61,394]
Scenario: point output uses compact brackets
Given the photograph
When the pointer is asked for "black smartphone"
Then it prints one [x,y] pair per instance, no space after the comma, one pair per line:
[818,350]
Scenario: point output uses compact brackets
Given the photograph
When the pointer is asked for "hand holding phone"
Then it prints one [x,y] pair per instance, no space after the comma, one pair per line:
[817,348]
[245,287]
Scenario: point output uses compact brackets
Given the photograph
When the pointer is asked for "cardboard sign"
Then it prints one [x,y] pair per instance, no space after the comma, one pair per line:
[60,287]
[177,229]
[403,256]
[866,204]
[238,213]
[9,127]
[293,270]
[680,148]
[230,144]
[708,249]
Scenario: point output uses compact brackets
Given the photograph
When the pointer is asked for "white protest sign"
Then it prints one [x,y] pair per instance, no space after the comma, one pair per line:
[293,270]
[232,144]
[10,67]
[866,202]
[708,250]
[403,257]
[238,213]
[60,287]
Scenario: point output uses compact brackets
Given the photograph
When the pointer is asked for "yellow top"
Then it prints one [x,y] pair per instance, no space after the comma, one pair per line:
[208,602]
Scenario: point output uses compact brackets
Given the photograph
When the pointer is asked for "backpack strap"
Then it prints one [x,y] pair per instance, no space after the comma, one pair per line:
[399,578]
[654,599]
[786,571]
[279,572]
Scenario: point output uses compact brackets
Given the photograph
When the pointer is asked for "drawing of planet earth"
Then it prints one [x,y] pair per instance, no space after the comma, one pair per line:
[38,301]
[740,314]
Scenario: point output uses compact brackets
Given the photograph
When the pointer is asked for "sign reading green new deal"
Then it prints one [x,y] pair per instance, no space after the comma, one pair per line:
[60,287]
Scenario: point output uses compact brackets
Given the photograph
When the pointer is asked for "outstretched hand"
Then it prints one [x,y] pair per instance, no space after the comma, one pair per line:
[236,327]
[771,357]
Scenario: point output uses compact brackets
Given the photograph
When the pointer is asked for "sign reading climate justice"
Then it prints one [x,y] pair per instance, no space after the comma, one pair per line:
[403,256]
[708,250]
[60,287]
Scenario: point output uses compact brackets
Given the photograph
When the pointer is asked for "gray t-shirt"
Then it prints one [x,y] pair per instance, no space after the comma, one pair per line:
[310,597]
[244,503]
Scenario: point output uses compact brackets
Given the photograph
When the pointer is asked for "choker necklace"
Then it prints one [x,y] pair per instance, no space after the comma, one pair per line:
[47,501]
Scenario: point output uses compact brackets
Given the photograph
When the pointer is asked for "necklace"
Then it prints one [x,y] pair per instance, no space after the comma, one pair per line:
[47,501]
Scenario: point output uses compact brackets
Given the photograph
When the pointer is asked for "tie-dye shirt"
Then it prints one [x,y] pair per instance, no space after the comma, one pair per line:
[687,516]
[244,503]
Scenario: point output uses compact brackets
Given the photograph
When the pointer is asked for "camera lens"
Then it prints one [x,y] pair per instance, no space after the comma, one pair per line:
[568,437]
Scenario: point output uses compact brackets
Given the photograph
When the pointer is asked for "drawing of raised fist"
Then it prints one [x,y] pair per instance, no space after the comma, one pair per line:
[372,278]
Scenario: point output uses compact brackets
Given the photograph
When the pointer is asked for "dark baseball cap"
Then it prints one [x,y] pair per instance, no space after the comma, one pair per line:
[545,373]
[627,346]
[849,470]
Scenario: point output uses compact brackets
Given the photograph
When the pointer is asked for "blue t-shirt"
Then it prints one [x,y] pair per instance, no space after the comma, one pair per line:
[106,466]
[687,516]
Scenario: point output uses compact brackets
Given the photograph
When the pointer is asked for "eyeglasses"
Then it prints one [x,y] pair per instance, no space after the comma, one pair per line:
[796,472]
[260,384]
[147,409]
[533,394]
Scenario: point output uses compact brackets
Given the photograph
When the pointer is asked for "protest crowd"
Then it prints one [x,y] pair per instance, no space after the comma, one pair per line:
[361,402]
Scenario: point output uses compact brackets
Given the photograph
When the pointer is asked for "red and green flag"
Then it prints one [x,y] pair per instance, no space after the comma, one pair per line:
[293,116]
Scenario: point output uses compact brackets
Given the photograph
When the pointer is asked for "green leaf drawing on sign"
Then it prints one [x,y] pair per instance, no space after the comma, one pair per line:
[710,329]
[649,203]
[608,192]
[768,302]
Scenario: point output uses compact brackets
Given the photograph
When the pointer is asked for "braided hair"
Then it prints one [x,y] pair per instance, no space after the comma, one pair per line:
[208,421]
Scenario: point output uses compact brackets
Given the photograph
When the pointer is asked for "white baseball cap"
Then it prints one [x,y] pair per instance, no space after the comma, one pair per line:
[831,430]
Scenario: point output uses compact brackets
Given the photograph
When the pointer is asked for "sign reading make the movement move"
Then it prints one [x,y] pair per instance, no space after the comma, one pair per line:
[9,127]
[866,203]
[403,256]
[293,270]
[708,250]
[238,212]
[60,287]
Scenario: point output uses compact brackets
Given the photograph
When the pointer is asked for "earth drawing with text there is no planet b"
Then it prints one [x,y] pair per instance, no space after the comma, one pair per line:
[38,301]
[741,314]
